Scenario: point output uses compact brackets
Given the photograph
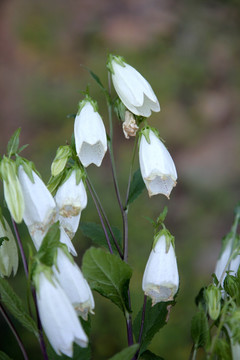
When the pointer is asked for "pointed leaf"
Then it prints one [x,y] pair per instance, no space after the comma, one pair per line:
[96,234]
[13,143]
[136,187]
[126,354]
[48,249]
[108,275]
[199,328]
[155,319]
[15,306]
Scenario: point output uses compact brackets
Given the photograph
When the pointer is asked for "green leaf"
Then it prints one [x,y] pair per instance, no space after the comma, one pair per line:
[199,328]
[15,306]
[49,246]
[155,319]
[108,275]
[22,148]
[136,187]
[4,356]
[13,143]
[148,355]
[96,234]
[126,354]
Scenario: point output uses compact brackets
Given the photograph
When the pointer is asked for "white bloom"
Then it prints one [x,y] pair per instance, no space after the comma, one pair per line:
[58,317]
[160,279]
[8,251]
[156,165]
[40,207]
[90,135]
[222,262]
[74,284]
[133,90]
[71,199]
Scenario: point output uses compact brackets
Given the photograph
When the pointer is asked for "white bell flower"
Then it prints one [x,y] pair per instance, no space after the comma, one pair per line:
[58,317]
[90,134]
[71,199]
[132,88]
[74,284]
[156,164]
[223,260]
[40,208]
[8,250]
[161,279]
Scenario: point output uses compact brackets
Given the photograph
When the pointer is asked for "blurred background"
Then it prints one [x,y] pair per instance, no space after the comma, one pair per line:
[189,52]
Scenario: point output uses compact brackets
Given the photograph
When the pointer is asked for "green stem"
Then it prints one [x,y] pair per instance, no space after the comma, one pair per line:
[130,171]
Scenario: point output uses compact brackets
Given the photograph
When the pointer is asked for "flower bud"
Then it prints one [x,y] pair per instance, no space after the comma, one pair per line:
[71,199]
[90,134]
[213,300]
[129,125]
[232,286]
[161,279]
[40,207]
[8,250]
[58,317]
[73,283]
[133,90]
[156,165]
[12,189]
[60,160]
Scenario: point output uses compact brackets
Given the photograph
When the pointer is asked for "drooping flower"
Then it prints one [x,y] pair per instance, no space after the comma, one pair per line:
[223,264]
[8,250]
[71,199]
[132,88]
[12,189]
[161,279]
[156,164]
[40,207]
[58,317]
[90,134]
[74,284]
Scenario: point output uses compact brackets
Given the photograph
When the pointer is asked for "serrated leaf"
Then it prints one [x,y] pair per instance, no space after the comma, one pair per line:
[96,234]
[108,275]
[136,187]
[200,328]
[13,143]
[155,319]
[148,355]
[126,354]
[15,306]
[4,356]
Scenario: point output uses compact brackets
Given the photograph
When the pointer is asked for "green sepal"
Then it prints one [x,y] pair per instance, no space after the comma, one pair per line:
[38,269]
[13,143]
[145,132]
[62,155]
[168,236]
[85,101]
[119,109]
[118,59]
[2,220]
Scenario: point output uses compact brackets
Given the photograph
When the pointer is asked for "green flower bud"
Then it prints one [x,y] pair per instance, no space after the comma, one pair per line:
[60,160]
[8,250]
[12,189]
[231,286]
[213,300]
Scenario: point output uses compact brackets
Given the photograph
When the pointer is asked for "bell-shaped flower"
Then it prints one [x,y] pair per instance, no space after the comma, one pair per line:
[71,199]
[74,284]
[161,280]
[156,164]
[90,134]
[224,263]
[40,207]
[8,250]
[12,189]
[133,90]
[58,317]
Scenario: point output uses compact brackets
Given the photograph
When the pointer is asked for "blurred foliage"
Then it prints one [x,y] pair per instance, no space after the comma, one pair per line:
[189,53]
